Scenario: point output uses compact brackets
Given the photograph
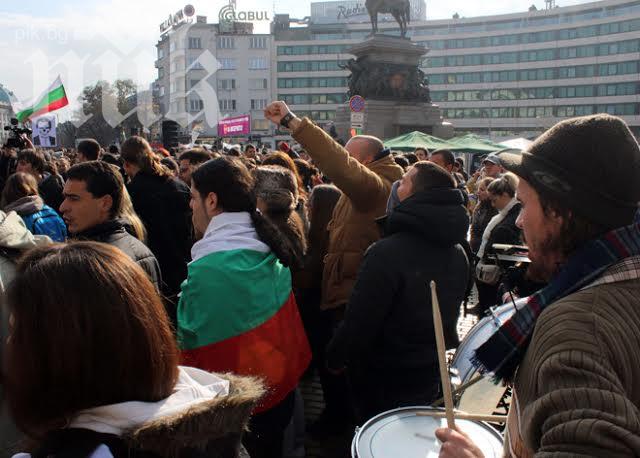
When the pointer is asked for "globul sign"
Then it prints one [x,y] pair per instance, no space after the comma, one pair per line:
[177,18]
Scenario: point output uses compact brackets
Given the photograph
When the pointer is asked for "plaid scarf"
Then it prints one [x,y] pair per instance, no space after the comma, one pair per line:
[502,353]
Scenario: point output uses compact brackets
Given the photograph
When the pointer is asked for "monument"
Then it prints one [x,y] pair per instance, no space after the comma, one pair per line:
[386,72]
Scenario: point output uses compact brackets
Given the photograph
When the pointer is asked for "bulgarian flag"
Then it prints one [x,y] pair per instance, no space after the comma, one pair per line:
[52,99]
[237,314]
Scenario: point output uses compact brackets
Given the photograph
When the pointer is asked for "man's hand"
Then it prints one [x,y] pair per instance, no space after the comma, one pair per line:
[27,141]
[456,444]
[275,111]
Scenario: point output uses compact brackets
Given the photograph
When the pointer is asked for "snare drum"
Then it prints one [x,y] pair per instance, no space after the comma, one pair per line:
[400,433]
[484,396]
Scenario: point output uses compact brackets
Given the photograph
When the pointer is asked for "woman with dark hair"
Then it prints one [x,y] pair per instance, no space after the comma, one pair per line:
[277,198]
[237,311]
[20,194]
[482,213]
[309,174]
[162,202]
[105,381]
[283,160]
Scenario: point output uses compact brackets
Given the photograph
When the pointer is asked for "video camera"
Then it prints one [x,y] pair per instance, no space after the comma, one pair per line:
[15,140]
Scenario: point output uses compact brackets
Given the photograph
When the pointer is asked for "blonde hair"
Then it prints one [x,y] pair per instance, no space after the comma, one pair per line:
[131,217]
[506,184]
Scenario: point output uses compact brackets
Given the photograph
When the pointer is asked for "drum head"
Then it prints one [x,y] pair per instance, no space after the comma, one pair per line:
[401,433]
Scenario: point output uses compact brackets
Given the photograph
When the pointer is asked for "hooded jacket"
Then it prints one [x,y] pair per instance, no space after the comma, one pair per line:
[15,239]
[389,323]
[205,416]
[114,233]
[39,218]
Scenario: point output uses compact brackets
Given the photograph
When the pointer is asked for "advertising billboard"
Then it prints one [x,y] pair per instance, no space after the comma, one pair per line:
[234,127]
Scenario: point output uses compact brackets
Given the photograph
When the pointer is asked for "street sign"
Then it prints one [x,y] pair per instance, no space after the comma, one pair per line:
[357,118]
[356,103]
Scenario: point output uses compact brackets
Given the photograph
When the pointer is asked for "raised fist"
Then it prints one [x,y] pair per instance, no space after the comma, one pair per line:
[275,111]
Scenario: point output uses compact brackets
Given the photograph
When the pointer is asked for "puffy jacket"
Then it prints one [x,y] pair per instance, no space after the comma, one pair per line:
[114,233]
[388,322]
[365,191]
[39,218]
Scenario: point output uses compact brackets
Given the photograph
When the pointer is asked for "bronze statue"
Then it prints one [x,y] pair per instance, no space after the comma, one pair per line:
[399,9]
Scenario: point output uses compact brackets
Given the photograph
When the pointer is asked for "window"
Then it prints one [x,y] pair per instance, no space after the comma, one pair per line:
[195,43]
[196,106]
[258,42]
[161,91]
[259,124]
[258,104]
[172,45]
[227,104]
[257,63]
[258,83]
[161,73]
[227,63]
[160,53]
[192,62]
[193,82]
[226,43]
[226,85]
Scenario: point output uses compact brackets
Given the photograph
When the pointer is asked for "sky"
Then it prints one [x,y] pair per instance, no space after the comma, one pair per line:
[88,40]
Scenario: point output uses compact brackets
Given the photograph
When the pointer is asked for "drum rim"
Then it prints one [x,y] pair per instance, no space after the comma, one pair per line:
[356,438]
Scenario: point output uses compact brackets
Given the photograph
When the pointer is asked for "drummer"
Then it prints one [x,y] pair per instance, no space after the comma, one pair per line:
[577,383]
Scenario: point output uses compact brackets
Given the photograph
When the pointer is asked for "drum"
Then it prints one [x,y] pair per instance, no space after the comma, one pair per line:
[484,396]
[401,433]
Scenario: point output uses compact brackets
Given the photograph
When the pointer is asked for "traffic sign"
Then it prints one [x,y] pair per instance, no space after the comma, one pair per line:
[357,118]
[356,103]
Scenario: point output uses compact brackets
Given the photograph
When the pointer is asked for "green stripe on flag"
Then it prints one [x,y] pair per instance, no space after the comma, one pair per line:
[43,104]
[229,293]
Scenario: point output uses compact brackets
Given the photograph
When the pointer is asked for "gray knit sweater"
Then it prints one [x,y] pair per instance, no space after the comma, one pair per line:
[578,387]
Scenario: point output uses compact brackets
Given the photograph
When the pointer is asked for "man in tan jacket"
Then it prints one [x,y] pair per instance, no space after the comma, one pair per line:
[364,171]
[573,351]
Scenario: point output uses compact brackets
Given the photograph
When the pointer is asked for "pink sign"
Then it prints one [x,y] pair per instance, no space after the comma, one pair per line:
[235,127]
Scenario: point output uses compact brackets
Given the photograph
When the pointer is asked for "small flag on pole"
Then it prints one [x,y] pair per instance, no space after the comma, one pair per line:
[52,99]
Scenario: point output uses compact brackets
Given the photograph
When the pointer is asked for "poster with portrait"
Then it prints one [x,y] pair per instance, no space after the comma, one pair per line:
[44,131]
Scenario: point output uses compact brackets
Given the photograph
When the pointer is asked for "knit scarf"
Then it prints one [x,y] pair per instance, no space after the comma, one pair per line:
[501,354]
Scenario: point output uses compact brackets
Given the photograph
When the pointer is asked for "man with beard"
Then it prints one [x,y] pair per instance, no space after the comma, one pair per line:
[572,350]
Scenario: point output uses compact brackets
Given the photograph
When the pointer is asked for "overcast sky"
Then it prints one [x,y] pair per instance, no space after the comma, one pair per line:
[88,40]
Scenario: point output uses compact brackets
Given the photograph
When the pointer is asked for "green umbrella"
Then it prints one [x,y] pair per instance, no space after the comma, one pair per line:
[415,139]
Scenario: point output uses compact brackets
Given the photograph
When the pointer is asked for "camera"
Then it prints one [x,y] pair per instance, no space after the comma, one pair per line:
[15,140]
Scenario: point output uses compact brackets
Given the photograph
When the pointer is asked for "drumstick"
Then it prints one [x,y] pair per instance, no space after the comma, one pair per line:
[444,372]
[459,390]
[464,416]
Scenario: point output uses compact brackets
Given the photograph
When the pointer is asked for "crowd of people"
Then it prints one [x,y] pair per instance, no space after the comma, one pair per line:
[168,303]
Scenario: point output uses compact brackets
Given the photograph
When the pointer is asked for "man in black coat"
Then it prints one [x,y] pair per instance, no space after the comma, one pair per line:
[387,340]
[92,209]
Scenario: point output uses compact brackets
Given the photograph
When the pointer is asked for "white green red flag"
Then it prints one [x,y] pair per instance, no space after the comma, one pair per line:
[52,99]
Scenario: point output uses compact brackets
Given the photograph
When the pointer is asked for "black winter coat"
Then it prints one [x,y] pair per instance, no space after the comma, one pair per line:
[163,206]
[388,323]
[506,231]
[114,233]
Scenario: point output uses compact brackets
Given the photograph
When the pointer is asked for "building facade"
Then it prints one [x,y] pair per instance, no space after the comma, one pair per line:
[207,72]
[6,113]
[507,75]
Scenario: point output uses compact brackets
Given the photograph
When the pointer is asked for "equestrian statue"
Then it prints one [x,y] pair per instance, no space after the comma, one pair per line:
[399,9]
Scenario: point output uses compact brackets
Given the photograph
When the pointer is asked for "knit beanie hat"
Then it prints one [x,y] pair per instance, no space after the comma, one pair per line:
[277,187]
[590,164]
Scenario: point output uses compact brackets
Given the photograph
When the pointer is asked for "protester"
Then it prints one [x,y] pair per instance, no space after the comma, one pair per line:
[118,391]
[276,192]
[459,168]
[49,185]
[162,202]
[237,311]
[445,159]
[364,172]
[171,164]
[482,214]
[402,162]
[571,352]
[20,194]
[386,340]
[283,160]
[93,210]
[15,240]
[491,167]
[500,229]
[422,154]
[309,174]
[88,150]
[189,161]
[250,152]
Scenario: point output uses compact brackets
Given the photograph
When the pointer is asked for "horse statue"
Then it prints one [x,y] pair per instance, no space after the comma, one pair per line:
[399,9]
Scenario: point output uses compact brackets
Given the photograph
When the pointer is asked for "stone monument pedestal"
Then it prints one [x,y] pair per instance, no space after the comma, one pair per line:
[386,73]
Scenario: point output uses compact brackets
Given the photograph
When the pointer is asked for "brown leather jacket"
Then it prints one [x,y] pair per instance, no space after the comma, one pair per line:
[365,191]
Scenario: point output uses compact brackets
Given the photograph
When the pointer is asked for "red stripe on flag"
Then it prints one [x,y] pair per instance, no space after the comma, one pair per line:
[276,351]
[63,102]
